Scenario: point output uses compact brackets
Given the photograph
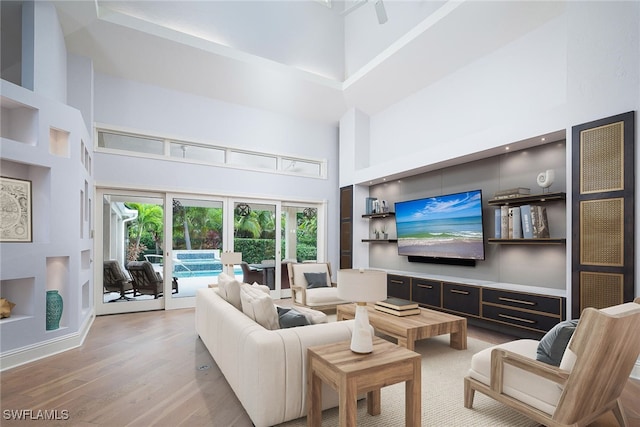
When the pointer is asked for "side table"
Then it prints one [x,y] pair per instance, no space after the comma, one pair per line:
[351,374]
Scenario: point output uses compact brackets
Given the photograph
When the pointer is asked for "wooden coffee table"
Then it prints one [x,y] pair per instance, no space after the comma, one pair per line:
[351,374]
[408,329]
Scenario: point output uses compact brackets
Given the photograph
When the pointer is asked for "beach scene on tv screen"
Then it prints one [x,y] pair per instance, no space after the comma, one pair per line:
[443,226]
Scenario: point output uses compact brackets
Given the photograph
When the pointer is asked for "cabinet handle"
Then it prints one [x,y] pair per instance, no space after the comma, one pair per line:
[517,301]
[425,286]
[516,318]
[397,282]
[455,291]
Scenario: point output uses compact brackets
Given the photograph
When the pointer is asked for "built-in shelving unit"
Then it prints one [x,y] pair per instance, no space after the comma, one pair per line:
[46,142]
[380,240]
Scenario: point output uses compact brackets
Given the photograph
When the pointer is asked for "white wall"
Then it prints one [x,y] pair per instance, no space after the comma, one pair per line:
[50,53]
[149,109]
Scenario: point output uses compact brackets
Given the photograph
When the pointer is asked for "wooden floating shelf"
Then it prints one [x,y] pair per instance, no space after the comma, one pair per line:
[379,240]
[521,200]
[379,215]
[552,241]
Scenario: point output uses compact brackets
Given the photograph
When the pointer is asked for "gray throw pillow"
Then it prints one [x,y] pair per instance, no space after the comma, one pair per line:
[290,318]
[316,280]
[554,343]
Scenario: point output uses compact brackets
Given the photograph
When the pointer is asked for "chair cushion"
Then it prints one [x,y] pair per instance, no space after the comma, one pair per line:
[316,280]
[538,392]
[323,296]
[291,318]
[553,344]
[259,307]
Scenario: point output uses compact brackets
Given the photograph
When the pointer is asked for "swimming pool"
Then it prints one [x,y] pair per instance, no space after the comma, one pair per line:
[203,273]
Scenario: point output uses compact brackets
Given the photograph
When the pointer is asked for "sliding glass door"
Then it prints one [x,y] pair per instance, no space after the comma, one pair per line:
[132,229]
[196,242]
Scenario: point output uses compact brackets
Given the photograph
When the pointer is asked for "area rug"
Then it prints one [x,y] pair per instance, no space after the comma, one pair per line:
[443,370]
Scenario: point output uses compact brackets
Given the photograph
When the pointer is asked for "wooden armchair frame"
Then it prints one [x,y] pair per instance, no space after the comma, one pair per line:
[606,347]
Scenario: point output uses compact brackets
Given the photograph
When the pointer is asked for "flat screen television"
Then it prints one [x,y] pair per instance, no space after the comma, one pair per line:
[441,227]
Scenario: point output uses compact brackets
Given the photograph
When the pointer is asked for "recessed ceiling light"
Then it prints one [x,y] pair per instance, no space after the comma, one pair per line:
[506,148]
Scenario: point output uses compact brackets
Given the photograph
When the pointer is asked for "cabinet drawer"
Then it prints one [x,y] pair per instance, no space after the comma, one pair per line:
[518,318]
[399,286]
[461,298]
[524,301]
[426,291]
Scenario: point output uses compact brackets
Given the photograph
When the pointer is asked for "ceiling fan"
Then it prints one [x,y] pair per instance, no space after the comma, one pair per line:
[379,6]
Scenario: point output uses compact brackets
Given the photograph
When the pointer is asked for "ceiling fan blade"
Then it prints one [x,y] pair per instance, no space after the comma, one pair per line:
[380,11]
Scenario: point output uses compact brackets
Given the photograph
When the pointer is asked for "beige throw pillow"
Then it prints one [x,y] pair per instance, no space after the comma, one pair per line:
[259,307]
[230,290]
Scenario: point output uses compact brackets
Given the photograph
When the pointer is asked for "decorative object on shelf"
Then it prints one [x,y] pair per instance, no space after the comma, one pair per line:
[512,192]
[5,308]
[545,179]
[54,310]
[362,286]
[384,206]
[229,259]
[376,206]
[369,205]
[15,210]
[376,233]
[383,231]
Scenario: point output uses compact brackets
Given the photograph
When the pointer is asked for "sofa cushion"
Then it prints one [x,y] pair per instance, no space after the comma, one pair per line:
[553,344]
[231,289]
[290,318]
[316,280]
[259,307]
[263,288]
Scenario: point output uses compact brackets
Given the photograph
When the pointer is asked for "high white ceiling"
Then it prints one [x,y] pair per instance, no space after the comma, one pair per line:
[298,57]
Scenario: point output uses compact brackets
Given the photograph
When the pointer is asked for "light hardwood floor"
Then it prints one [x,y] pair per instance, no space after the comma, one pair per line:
[150,368]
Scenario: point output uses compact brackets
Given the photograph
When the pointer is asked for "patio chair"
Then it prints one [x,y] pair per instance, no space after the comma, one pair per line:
[588,382]
[250,275]
[311,286]
[114,279]
[146,281]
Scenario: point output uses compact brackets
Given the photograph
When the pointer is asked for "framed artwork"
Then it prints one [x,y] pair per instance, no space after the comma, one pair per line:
[15,210]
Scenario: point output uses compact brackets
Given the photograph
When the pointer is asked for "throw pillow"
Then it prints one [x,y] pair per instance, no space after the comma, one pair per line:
[316,280]
[229,289]
[259,307]
[290,318]
[554,343]
[263,288]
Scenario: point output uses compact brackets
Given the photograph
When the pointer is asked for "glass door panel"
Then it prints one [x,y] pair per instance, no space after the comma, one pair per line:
[299,224]
[196,243]
[132,229]
[256,236]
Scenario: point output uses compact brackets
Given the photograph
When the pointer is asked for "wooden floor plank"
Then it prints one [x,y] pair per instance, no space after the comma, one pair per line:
[150,368]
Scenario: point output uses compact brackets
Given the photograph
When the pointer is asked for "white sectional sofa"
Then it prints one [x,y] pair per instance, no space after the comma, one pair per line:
[265,368]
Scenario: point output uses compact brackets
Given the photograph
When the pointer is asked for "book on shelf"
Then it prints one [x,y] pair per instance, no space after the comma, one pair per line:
[525,219]
[401,313]
[398,304]
[511,193]
[539,222]
[369,205]
[504,224]
[515,223]
[497,226]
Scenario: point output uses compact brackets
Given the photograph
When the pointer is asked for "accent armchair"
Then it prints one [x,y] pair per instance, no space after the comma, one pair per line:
[146,281]
[114,279]
[588,382]
[311,286]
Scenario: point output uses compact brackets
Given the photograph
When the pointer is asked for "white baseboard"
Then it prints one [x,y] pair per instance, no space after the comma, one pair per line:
[23,355]
[635,373]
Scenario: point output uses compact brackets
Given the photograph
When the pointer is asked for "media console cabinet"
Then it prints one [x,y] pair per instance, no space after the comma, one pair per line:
[517,310]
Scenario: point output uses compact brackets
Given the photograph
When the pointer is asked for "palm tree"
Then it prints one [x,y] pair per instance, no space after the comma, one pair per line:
[150,220]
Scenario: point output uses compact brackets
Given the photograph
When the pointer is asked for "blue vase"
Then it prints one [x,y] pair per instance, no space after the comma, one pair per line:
[54,310]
